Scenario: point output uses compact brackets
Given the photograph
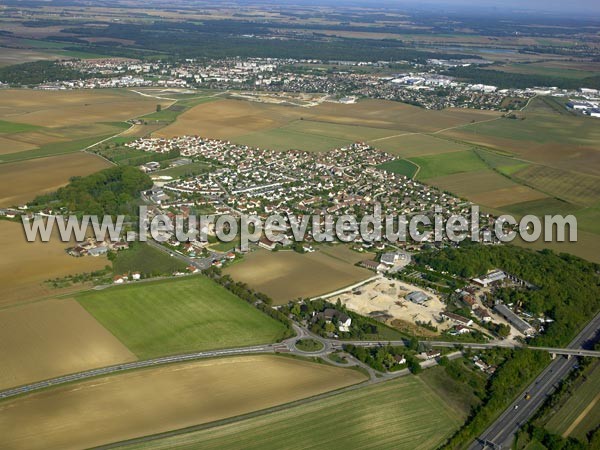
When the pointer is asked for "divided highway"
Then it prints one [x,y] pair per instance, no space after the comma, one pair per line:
[501,433]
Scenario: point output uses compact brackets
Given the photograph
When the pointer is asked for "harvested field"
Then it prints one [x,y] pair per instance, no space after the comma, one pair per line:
[287,275]
[10,56]
[67,108]
[26,265]
[13,146]
[22,181]
[178,316]
[261,124]
[226,119]
[155,400]
[486,187]
[403,414]
[56,122]
[503,197]
[557,140]
[51,338]
[576,188]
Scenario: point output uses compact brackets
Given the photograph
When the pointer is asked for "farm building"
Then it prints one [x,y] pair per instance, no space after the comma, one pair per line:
[417,297]
[494,276]
[483,314]
[267,243]
[514,320]
[389,259]
[97,251]
[464,321]
[369,264]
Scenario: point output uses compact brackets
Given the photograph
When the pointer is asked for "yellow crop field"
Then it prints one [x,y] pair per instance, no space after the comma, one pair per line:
[52,338]
[22,181]
[155,400]
[256,123]
[69,108]
[287,275]
[25,266]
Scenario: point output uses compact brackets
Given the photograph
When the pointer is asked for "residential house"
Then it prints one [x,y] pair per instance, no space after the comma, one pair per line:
[460,320]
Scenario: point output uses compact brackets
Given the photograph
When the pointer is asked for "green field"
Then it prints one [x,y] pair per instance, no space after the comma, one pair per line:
[503,163]
[417,145]
[195,168]
[576,188]
[447,164]
[13,127]
[170,114]
[540,69]
[286,138]
[460,395]
[581,411]
[400,414]
[146,260]
[588,219]
[338,131]
[177,316]
[55,148]
[541,207]
[400,167]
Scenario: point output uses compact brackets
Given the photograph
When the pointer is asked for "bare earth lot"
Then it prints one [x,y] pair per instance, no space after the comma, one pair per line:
[155,400]
[22,181]
[387,296]
[288,275]
[51,338]
[25,266]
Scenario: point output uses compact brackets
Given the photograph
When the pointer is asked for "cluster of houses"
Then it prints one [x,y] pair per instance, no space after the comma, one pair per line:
[331,315]
[260,182]
[388,261]
[90,247]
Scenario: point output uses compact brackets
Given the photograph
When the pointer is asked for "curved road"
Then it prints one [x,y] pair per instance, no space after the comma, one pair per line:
[286,346]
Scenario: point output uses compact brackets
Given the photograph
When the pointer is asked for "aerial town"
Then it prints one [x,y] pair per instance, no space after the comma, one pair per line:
[424,84]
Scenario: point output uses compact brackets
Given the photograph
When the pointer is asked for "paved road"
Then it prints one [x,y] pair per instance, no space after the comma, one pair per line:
[501,433]
[137,365]
[479,346]
[287,346]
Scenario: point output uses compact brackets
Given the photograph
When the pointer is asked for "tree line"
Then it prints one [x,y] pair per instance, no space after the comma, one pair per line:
[111,191]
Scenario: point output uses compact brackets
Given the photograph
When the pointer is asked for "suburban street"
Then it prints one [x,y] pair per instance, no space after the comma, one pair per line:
[501,433]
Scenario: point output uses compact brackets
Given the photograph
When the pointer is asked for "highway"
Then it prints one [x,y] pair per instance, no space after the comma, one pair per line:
[501,433]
